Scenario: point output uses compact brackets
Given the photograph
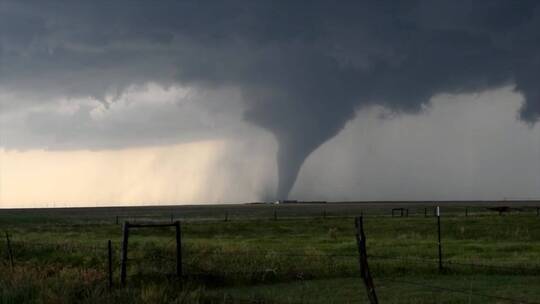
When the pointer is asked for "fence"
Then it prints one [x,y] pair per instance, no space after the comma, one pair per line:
[284,212]
[340,265]
[368,280]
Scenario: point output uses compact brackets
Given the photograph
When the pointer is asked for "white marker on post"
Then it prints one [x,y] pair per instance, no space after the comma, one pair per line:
[438,211]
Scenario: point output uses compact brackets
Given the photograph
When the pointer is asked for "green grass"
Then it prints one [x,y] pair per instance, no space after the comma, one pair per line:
[61,257]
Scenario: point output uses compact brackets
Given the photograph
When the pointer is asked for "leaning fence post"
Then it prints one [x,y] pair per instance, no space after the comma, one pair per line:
[178,249]
[123,267]
[10,251]
[362,258]
[109,249]
[439,238]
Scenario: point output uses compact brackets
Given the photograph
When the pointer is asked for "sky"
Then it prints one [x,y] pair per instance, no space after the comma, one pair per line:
[178,102]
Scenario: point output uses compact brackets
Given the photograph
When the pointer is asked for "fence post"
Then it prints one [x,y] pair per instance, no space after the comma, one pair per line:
[439,238]
[10,251]
[123,267]
[466,211]
[109,248]
[178,249]
[362,258]
[275,215]
[226,216]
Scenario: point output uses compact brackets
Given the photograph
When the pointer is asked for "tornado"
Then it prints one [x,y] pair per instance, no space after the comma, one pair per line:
[302,114]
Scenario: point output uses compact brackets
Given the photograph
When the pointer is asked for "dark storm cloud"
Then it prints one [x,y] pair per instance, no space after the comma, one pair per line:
[303,68]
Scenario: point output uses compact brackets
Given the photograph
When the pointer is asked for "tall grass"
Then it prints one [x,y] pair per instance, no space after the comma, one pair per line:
[284,261]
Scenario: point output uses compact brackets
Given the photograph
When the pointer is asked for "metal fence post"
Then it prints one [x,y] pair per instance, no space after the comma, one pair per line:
[123,268]
[439,238]
[10,251]
[178,249]
[109,249]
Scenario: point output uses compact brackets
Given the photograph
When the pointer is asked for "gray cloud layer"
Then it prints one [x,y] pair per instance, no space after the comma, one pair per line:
[303,68]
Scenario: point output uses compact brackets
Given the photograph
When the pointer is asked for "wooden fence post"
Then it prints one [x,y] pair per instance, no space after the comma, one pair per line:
[362,258]
[178,249]
[123,267]
[127,225]
[109,249]
[439,238]
[10,251]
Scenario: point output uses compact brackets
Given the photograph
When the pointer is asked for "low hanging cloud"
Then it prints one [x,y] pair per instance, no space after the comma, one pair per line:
[465,146]
[302,70]
[142,115]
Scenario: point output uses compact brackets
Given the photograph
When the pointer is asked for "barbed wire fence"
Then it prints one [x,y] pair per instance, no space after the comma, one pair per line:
[194,268]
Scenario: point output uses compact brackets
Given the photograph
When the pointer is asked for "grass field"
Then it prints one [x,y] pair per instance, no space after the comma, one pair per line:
[307,255]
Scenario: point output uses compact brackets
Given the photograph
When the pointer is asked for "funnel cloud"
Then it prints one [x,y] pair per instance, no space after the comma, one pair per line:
[303,68]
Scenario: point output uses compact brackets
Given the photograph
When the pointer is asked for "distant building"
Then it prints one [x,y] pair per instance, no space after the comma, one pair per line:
[286,202]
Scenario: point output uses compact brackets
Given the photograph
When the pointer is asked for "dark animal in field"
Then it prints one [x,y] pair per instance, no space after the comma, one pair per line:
[504,209]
